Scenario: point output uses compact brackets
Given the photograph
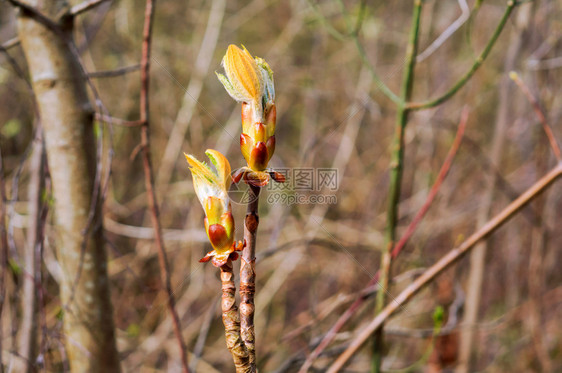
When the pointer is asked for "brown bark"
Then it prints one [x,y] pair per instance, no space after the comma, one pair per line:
[149,178]
[248,276]
[67,119]
[231,321]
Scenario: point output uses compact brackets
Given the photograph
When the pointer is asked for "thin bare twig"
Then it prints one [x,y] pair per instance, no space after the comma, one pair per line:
[248,276]
[395,182]
[14,197]
[203,334]
[3,252]
[85,6]
[192,92]
[118,121]
[27,343]
[475,66]
[145,233]
[115,72]
[17,69]
[547,64]
[149,179]
[331,334]
[536,279]
[449,31]
[354,35]
[445,262]
[39,16]
[231,321]
[478,255]
[435,187]
[538,111]
[11,43]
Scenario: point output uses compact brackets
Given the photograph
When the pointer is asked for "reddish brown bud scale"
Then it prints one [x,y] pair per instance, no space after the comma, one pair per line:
[256,179]
[259,157]
[237,175]
[270,145]
[217,235]
[278,177]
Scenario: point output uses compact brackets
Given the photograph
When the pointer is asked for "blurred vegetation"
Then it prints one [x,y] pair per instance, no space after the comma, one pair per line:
[316,253]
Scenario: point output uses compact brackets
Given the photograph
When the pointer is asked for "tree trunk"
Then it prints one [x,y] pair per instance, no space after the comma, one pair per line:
[67,119]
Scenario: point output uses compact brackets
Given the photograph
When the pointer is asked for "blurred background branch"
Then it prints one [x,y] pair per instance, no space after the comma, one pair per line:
[337,67]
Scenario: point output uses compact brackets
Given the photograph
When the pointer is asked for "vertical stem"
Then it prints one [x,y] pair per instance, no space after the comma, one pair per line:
[3,252]
[149,179]
[27,344]
[70,147]
[396,169]
[248,275]
[445,262]
[535,281]
[345,316]
[231,321]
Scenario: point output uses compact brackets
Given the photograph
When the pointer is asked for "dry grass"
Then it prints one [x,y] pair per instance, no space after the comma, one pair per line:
[330,115]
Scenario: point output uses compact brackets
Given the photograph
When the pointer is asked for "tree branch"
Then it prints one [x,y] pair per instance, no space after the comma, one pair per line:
[396,171]
[113,73]
[445,262]
[248,275]
[85,6]
[3,251]
[149,179]
[475,66]
[538,111]
[231,321]
[344,318]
